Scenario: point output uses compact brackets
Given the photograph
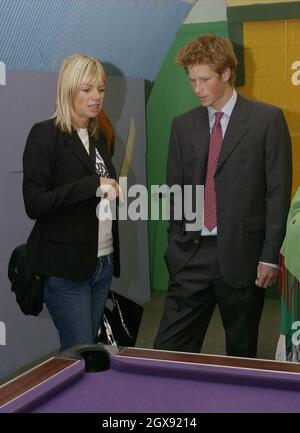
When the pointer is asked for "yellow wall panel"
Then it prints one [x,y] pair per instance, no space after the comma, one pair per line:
[250,90]
[290,37]
[295,32]
[266,34]
[255,2]
[293,118]
[273,90]
[270,49]
[293,93]
[296,147]
[296,176]
[260,62]
[293,55]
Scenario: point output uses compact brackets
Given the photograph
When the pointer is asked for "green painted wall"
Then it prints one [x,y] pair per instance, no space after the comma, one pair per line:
[171,95]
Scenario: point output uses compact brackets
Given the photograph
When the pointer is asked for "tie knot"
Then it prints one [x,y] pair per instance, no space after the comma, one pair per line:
[218,115]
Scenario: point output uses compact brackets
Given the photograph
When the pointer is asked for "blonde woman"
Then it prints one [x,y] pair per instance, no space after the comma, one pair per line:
[65,161]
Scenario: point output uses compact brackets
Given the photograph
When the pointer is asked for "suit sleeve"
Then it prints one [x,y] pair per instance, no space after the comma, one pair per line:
[174,176]
[278,169]
[40,198]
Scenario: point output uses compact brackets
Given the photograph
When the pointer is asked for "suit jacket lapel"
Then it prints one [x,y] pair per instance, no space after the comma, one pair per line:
[76,146]
[236,129]
[200,141]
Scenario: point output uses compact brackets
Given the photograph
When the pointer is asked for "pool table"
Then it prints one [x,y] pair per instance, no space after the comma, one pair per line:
[136,380]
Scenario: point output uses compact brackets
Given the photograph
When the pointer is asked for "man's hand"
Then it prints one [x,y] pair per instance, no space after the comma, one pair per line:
[266,276]
[110,188]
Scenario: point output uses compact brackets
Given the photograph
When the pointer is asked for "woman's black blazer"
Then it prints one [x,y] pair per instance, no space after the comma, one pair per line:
[59,189]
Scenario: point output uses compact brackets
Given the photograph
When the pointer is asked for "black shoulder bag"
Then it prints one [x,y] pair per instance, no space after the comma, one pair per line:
[27,285]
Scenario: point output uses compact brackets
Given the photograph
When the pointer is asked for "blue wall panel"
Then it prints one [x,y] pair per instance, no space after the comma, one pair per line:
[133,36]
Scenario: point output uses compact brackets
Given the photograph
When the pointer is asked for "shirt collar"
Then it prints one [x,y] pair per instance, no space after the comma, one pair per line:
[227,109]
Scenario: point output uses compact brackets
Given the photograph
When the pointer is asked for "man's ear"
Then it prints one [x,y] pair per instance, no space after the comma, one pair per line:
[226,74]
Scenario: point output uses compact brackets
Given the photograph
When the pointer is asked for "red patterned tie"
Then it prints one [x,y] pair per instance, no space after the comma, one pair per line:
[210,208]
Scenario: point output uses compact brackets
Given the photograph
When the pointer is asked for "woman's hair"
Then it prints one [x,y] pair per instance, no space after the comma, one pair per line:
[75,71]
[209,50]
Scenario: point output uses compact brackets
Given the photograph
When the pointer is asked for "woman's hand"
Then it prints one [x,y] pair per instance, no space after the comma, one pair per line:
[110,188]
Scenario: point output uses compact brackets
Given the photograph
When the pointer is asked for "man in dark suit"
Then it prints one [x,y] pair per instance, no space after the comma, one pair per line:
[240,150]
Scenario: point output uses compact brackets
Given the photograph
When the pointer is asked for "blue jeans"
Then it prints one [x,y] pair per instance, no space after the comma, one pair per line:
[76,307]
